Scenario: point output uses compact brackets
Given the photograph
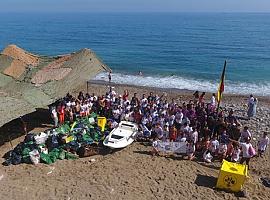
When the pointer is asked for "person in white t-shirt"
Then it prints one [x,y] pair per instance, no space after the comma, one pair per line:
[179,117]
[207,156]
[144,101]
[54,116]
[246,149]
[213,100]
[235,153]
[222,151]
[194,136]
[214,145]
[116,114]
[186,128]
[171,119]
[263,144]
[158,132]
[245,134]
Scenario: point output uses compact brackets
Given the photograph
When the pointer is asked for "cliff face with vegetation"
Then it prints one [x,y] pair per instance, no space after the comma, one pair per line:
[29,81]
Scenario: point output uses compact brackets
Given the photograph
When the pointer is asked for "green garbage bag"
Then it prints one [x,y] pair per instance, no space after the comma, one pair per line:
[26,159]
[96,136]
[54,154]
[90,126]
[87,137]
[53,158]
[25,152]
[62,154]
[29,143]
[63,129]
[45,158]
[85,122]
[93,114]
[71,156]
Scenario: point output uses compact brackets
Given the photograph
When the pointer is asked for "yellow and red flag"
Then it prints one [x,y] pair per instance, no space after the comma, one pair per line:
[221,84]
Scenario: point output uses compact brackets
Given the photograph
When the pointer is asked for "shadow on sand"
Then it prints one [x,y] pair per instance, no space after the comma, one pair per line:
[167,156]
[144,152]
[206,181]
[15,128]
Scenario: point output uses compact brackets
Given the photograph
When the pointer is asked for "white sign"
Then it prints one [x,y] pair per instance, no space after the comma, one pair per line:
[172,147]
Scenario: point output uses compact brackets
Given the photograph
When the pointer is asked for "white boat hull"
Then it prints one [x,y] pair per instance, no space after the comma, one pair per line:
[122,136]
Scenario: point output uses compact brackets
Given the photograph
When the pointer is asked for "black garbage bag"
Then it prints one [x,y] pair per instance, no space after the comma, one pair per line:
[16,159]
[8,154]
[79,137]
[12,158]
[19,148]
[29,137]
[7,162]
[73,146]
[52,142]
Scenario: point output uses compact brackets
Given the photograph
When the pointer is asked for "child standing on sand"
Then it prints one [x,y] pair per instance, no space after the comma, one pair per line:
[172,133]
[263,144]
[155,147]
[190,150]
[236,153]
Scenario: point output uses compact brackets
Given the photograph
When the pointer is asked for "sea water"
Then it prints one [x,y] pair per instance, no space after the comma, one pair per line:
[172,50]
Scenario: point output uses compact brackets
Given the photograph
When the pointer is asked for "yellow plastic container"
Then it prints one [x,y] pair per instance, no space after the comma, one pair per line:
[102,122]
[232,176]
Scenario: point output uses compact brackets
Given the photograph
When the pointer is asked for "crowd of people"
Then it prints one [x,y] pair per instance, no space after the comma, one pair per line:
[208,133]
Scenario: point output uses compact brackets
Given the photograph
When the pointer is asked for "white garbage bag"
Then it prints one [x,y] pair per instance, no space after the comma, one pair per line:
[34,156]
[41,138]
[91,120]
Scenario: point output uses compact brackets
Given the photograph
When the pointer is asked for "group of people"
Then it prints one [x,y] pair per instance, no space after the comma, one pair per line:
[208,133]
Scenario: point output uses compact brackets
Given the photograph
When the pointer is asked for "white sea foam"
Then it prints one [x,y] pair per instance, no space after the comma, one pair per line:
[177,82]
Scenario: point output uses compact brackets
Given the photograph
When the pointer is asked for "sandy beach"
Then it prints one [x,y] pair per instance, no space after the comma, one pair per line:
[131,173]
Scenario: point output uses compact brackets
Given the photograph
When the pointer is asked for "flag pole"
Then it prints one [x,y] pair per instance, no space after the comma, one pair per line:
[221,85]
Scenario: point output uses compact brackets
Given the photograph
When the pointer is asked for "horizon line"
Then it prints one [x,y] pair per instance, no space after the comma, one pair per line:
[134,12]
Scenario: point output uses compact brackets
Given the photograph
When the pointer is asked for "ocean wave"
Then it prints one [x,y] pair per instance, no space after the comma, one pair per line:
[177,82]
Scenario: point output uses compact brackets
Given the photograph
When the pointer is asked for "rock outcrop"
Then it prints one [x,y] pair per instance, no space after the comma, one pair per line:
[35,81]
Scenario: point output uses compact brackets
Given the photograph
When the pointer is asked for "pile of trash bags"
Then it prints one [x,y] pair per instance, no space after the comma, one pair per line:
[64,142]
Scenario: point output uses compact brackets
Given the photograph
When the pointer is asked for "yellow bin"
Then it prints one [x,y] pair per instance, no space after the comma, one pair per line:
[232,176]
[102,122]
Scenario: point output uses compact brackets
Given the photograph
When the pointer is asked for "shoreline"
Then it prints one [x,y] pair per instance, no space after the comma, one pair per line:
[265,100]
[187,83]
